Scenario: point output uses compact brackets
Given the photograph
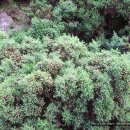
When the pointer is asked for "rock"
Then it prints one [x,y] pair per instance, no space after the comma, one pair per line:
[5,21]
[21,20]
[13,18]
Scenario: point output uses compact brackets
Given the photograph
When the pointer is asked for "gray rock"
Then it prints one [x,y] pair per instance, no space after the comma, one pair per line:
[5,22]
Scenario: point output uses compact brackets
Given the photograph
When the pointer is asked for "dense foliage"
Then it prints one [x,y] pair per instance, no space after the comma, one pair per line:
[70,70]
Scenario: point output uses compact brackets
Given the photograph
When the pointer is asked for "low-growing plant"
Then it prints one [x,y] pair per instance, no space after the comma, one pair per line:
[61,82]
[45,27]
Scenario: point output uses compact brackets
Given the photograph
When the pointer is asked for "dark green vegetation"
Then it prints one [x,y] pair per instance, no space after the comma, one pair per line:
[70,70]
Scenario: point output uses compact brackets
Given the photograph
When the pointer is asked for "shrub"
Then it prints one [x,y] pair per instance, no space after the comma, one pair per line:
[94,46]
[64,10]
[66,46]
[3,35]
[77,86]
[18,36]
[45,27]
[116,42]
[46,125]
[62,82]
[90,19]
[24,99]
[51,64]
[77,20]
[39,9]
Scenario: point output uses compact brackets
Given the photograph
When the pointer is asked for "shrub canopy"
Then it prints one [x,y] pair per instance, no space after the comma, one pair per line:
[69,70]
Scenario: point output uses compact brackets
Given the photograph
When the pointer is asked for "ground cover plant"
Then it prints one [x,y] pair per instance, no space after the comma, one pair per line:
[69,69]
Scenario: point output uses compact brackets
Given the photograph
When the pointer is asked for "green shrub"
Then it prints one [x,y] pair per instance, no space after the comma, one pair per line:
[51,64]
[24,99]
[66,46]
[51,80]
[18,36]
[38,8]
[77,20]
[100,3]
[90,19]
[30,46]
[27,127]
[3,35]
[62,82]
[46,125]
[116,42]
[45,27]
[94,46]
[65,9]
